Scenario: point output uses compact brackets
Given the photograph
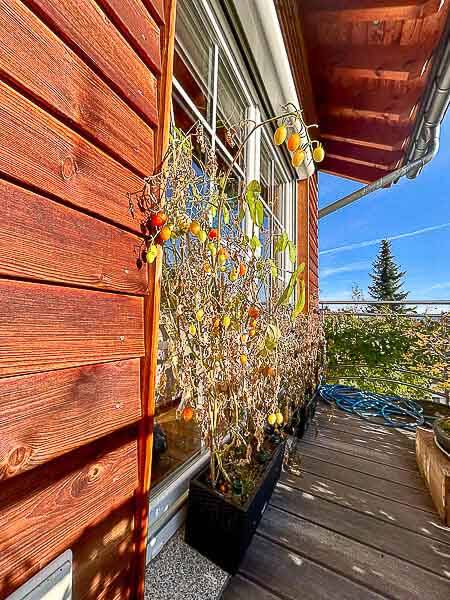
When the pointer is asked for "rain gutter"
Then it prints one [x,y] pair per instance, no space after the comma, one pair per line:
[425,144]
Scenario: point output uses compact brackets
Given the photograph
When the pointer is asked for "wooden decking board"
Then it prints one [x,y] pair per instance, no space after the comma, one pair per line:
[392,490]
[386,537]
[395,448]
[381,572]
[291,576]
[241,588]
[342,523]
[363,465]
[418,521]
[382,457]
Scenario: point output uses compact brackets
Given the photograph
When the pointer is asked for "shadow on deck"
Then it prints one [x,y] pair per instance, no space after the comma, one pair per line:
[350,519]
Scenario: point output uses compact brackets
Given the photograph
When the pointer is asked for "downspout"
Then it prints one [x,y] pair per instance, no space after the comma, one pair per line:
[426,143]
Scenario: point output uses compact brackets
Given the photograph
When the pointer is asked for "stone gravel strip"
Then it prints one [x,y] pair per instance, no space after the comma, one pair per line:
[180,573]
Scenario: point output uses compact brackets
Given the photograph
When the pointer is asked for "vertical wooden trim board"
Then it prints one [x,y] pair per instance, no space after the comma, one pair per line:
[307,237]
[85,90]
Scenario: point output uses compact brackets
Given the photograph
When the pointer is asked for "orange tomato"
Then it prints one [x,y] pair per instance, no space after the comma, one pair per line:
[188,413]
[252,332]
[165,233]
[253,323]
[242,269]
[253,312]
[194,228]
[223,252]
[293,142]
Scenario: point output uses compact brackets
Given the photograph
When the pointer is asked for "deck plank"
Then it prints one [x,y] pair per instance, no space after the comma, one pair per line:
[350,518]
[410,478]
[291,576]
[360,439]
[386,537]
[420,522]
[372,568]
[391,490]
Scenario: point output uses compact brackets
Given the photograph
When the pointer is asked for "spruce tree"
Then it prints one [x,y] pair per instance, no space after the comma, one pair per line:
[387,279]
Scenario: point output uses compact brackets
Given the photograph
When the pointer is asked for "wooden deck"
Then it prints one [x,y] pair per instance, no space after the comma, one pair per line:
[351,519]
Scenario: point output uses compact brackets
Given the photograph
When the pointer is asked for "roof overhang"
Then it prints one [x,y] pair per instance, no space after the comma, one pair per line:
[362,69]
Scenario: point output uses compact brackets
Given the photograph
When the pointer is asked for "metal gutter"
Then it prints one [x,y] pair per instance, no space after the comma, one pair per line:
[425,144]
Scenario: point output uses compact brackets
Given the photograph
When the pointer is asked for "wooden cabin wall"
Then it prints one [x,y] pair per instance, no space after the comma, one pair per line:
[308,237]
[84,87]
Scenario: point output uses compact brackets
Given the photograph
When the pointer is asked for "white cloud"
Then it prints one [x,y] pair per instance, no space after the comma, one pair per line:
[377,241]
[440,286]
[349,268]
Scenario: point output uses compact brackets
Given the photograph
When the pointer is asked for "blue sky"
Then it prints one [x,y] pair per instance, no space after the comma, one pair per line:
[408,207]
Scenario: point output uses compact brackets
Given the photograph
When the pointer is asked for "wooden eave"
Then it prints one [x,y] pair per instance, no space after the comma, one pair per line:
[361,69]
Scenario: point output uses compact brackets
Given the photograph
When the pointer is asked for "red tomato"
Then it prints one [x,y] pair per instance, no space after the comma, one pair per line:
[212,234]
[158,219]
[188,413]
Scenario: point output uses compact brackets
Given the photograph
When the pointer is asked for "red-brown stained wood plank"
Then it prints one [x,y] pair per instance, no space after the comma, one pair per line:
[151,318]
[356,172]
[385,101]
[43,240]
[137,26]
[42,152]
[43,512]
[156,8]
[49,414]
[38,61]
[373,133]
[375,61]
[368,10]
[90,31]
[45,327]
[103,554]
[380,159]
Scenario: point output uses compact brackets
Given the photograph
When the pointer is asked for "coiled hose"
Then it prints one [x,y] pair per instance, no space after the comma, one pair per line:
[391,411]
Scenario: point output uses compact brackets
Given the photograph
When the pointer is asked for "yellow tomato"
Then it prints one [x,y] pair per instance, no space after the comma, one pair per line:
[226,321]
[252,332]
[243,359]
[280,135]
[318,153]
[244,338]
[202,236]
[272,419]
[279,418]
[297,158]
[192,329]
[199,315]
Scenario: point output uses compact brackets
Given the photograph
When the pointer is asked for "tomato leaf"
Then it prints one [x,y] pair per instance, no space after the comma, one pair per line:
[273,268]
[255,243]
[292,252]
[300,302]
[281,242]
[259,213]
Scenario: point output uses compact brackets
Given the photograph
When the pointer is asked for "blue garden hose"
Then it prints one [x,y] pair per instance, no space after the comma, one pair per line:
[392,410]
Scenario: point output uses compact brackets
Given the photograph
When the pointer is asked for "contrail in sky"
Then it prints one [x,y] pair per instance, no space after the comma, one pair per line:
[377,241]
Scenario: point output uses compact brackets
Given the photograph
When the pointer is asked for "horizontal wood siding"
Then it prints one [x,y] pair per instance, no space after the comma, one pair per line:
[84,90]
[47,241]
[43,512]
[45,415]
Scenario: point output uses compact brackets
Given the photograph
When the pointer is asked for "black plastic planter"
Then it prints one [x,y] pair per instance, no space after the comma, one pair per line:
[304,415]
[221,530]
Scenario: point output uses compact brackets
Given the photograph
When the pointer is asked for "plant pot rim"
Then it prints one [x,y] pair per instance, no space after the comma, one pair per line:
[241,507]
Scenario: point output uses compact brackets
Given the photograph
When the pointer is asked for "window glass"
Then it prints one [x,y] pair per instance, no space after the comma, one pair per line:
[193,59]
